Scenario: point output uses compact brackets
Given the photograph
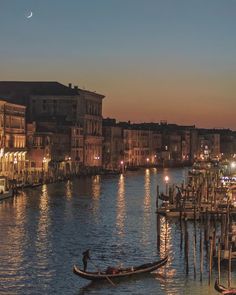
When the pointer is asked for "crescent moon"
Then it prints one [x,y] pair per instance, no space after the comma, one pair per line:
[30,15]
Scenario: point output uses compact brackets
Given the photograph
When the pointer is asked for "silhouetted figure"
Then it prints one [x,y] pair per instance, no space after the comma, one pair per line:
[85,258]
[178,197]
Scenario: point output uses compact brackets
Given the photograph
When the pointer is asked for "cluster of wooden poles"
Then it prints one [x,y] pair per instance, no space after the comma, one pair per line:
[214,225]
[207,240]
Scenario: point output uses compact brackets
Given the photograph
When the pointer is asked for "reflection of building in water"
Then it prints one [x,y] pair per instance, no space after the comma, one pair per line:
[121,206]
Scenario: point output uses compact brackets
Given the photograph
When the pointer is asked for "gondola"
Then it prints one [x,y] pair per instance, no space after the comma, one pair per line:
[223,290]
[121,272]
[164,197]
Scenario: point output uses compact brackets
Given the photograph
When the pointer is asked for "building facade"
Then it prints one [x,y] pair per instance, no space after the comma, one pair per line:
[113,147]
[138,149]
[65,105]
[89,116]
[12,140]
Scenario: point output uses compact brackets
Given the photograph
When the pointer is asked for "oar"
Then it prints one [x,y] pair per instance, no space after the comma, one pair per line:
[109,280]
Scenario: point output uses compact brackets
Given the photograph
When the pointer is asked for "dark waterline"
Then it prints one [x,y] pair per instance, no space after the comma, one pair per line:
[45,230]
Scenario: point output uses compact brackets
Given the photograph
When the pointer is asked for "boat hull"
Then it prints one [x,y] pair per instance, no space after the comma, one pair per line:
[6,195]
[128,272]
[223,290]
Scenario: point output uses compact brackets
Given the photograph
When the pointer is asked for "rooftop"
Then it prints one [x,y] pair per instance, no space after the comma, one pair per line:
[11,88]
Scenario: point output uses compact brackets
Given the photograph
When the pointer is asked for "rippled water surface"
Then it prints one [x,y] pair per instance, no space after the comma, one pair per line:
[44,231]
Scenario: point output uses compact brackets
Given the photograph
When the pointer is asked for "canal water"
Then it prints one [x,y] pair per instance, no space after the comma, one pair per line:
[44,230]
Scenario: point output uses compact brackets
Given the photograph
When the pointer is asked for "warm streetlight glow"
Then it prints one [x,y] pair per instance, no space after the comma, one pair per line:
[44,160]
[166,181]
[233,164]
[147,159]
[15,160]
[122,166]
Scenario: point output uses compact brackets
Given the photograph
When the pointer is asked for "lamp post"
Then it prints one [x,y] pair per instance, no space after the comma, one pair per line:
[122,166]
[147,160]
[166,181]
[43,167]
[15,166]
[155,159]
[69,160]
[232,167]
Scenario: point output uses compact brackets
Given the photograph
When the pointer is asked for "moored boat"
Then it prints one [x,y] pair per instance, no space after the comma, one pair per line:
[112,273]
[6,195]
[5,192]
[223,290]
[164,197]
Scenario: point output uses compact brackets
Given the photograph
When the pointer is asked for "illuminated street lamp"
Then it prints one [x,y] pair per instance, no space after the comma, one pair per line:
[232,167]
[15,165]
[122,166]
[43,165]
[166,181]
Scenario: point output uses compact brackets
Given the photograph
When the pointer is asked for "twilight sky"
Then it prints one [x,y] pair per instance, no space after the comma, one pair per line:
[154,60]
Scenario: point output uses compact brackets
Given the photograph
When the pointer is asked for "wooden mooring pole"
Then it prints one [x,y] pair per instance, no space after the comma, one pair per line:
[229,270]
[194,245]
[201,251]
[158,233]
[157,197]
[210,261]
[158,222]
[186,245]
[219,249]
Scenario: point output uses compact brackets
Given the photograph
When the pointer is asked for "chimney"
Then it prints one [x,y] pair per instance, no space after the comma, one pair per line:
[70,85]
[76,87]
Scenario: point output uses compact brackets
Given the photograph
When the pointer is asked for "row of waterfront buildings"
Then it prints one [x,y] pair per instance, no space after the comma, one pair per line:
[49,130]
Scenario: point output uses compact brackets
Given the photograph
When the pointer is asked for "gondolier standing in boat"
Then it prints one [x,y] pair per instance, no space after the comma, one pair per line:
[86,257]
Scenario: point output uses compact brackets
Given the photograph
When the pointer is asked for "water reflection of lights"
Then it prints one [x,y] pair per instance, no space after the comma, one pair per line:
[147,207]
[147,191]
[167,272]
[43,206]
[120,217]
[166,277]
[96,191]
[69,189]
[42,250]
[96,186]
[165,236]
[15,239]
